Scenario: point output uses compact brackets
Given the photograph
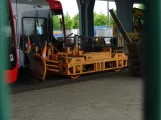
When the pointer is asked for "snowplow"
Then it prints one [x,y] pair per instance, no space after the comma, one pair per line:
[76,62]
[68,56]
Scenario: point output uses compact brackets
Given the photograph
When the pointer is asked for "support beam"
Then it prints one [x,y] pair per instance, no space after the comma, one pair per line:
[152,60]
[108,15]
[86,17]
[124,13]
[90,18]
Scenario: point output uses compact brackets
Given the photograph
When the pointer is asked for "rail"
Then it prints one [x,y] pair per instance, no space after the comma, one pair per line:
[87,43]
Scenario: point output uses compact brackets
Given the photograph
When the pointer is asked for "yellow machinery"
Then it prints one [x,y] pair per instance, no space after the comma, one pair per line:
[134,45]
[76,62]
[57,55]
[138,23]
[138,20]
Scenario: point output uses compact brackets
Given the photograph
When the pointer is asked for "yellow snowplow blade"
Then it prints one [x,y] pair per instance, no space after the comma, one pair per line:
[37,66]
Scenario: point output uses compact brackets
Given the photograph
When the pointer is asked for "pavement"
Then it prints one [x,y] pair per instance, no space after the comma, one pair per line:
[104,97]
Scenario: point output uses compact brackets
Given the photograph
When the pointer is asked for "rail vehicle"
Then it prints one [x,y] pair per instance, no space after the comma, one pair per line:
[57,55]
[11,71]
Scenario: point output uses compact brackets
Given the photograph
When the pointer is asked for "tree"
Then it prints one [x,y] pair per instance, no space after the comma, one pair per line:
[141,6]
[56,23]
[68,21]
[100,19]
[75,21]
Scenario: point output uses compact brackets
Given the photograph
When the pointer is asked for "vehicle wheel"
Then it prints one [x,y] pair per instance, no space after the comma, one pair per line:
[74,76]
[117,70]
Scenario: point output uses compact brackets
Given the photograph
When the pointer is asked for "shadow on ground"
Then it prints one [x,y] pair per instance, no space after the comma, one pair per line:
[27,82]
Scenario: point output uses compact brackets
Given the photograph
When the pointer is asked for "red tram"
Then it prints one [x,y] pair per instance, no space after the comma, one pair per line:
[11,71]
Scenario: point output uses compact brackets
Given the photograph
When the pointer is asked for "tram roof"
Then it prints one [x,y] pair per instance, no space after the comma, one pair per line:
[31,2]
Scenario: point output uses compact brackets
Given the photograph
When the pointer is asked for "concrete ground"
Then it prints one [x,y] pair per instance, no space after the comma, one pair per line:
[103,98]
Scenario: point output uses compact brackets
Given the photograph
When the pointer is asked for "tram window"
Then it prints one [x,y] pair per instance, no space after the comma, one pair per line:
[57,25]
[40,30]
[35,28]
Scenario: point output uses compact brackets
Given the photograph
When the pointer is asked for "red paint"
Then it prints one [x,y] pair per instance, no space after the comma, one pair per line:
[12,20]
[54,5]
[11,75]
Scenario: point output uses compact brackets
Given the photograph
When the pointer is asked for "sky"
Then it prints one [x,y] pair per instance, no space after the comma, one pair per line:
[100,6]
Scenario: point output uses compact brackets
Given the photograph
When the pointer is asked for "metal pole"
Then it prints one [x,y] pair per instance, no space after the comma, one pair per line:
[108,16]
[4,99]
[152,44]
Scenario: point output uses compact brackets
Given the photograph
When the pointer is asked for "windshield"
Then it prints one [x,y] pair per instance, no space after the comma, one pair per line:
[57,24]
[35,30]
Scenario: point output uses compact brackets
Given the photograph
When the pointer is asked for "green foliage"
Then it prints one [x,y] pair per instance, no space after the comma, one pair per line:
[75,21]
[141,6]
[68,21]
[56,23]
[100,19]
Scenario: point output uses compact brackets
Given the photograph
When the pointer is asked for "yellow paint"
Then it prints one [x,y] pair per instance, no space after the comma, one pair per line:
[76,62]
